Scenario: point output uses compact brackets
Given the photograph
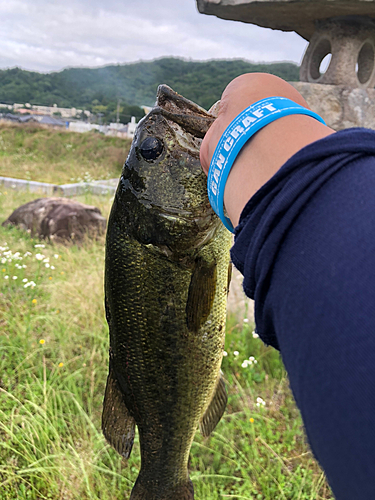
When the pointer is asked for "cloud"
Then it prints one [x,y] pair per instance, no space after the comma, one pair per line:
[42,35]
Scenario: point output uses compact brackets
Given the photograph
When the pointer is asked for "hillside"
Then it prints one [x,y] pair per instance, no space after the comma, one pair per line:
[134,84]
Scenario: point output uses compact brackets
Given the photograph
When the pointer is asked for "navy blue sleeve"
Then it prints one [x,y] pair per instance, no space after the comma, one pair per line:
[306,247]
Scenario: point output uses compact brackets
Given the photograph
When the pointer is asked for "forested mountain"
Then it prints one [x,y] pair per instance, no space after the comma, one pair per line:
[134,84]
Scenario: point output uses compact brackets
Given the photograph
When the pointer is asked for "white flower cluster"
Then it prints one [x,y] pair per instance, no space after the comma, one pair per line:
[8,257]
[249,362]
[45,260]
[260,402]
[18,266]
[32,284]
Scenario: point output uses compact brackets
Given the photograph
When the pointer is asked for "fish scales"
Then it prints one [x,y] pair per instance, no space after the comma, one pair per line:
[166,282]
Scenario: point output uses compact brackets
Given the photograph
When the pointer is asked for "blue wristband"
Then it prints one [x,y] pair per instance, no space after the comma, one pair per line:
[242,128]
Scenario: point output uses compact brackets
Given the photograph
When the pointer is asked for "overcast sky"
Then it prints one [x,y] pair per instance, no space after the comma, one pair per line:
[47,35]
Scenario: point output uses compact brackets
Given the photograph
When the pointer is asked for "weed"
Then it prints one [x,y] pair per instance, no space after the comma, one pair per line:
[33,152]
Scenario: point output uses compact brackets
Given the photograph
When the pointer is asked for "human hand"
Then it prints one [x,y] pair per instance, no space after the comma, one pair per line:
[269,148]
[240,93]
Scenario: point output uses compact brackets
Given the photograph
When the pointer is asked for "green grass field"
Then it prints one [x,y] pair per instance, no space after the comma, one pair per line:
[63,157]
[53,368]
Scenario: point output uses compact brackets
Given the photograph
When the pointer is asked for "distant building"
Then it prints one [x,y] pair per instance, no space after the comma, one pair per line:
[46,110]
[131,127]
[43,120]
[125,131]
[81,127]
[26,115]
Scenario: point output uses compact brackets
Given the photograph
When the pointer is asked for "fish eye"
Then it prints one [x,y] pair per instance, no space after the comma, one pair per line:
[151,148]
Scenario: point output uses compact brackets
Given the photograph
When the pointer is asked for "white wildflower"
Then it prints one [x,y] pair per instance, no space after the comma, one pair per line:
[39,246]
[52,267]
[225,353]
[255,335]
[260,402]
[39,256]
[6,277]
[29,283]
[15,277]
[235,353]
[25,280]
[246,320]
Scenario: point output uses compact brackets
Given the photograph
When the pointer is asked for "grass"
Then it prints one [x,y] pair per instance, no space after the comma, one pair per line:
[33,152]
[53,368]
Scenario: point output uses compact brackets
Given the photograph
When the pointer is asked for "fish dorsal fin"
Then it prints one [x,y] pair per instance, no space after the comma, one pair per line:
[215,409]
[187,114]
[201,294]
[118,425]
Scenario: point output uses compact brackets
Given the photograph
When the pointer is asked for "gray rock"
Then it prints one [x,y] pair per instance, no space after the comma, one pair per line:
[58,219]
[340,106]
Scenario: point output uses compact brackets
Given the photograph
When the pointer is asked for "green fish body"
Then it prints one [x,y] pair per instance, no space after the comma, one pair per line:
[166,281]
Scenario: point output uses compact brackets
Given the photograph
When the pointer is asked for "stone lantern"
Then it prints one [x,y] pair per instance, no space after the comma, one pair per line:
[344,29]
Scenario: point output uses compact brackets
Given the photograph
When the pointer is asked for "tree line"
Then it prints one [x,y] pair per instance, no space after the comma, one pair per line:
[100,90]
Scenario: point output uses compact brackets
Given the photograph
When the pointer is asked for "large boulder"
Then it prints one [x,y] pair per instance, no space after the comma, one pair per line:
[58,218]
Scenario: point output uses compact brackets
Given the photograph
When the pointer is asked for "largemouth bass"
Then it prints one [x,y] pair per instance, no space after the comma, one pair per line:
[166,283]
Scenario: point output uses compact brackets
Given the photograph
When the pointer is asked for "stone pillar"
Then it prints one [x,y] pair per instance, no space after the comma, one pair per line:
[351,41]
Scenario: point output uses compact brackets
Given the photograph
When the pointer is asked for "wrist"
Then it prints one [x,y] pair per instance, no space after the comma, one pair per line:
[237,134]
[258,161]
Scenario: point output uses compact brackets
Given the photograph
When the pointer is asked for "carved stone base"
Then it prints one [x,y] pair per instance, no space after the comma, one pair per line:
[340,106]
[351,41]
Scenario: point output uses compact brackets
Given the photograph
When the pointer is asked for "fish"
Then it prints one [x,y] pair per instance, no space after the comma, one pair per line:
[167,274]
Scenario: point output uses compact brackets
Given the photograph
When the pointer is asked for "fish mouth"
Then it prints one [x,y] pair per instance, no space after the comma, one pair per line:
[172,213]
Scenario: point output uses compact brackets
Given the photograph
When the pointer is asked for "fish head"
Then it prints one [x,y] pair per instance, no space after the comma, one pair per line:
[162,194]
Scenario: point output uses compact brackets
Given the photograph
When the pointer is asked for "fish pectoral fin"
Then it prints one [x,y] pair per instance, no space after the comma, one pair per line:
[118,425]
[215,409]
[201,294]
